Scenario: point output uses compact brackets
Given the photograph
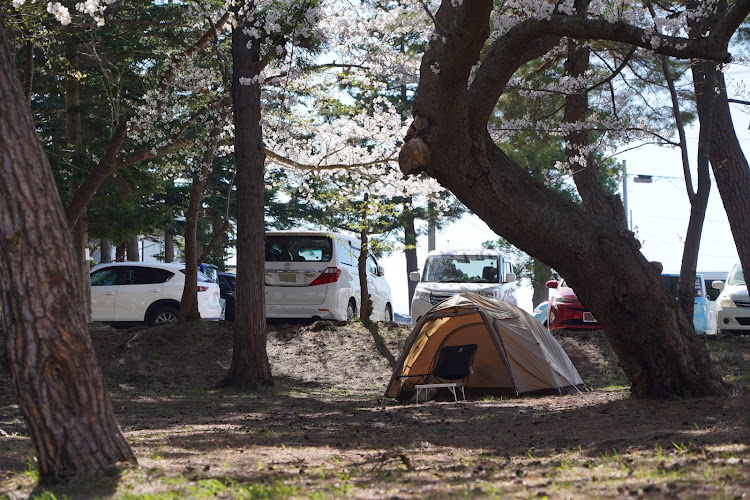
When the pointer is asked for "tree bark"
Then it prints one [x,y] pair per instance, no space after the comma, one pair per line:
[249,366]
[660,352]
[542,273]
[131,247]
[168,245]
[365,307]
[120,252]
[55,374]
[105,252]
[189,303]
[74,134]
[410,248]
[732,173]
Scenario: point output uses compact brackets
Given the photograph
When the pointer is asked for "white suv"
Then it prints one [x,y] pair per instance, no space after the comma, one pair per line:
[138,292]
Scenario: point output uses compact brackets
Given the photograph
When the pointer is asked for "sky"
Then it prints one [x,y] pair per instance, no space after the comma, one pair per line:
[659,212]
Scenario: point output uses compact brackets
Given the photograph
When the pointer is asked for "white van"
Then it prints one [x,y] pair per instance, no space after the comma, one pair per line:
[314,274]
[450,272]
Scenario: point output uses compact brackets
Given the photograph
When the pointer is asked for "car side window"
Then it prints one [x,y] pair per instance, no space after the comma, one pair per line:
[372,266]
[164,275]
[104,277]
[140,276]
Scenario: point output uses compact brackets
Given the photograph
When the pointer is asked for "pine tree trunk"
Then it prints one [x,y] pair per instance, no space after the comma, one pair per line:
[249,367]
[105,251]
[74,134]
[54,371]
[132,249]
[731,171]
[120,252]
[168,245]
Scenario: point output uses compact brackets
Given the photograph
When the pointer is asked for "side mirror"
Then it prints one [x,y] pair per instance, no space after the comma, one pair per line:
[510,277]
[381,270]
[414,276]
[552,284]
[718,285]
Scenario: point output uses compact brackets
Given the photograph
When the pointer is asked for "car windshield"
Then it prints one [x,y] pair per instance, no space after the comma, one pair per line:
[673,283]
[735,276]
[461,269]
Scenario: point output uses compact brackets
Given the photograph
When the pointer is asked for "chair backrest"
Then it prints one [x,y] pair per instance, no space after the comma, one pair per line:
[454,362]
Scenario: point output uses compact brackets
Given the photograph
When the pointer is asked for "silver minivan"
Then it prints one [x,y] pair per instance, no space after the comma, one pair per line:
[450,272]
[733,303]
[314,274]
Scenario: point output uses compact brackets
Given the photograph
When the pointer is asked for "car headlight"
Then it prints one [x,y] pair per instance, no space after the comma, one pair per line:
[422,295]
[563,300]
[726,301]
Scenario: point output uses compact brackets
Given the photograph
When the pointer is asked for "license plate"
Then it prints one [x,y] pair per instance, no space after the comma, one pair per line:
[288,277]
[588,317]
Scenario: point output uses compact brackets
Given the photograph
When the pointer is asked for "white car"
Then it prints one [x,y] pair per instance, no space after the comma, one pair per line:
[314,274]
[449,272]
[733,303]
[139,292]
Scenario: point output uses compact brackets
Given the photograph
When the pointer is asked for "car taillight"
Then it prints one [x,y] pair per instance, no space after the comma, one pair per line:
[202,288]
[330,275]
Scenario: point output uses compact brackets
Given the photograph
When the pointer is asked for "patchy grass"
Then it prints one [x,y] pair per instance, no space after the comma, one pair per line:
[320,431]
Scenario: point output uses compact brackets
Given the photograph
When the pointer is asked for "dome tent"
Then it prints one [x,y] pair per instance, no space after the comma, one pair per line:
[515,354]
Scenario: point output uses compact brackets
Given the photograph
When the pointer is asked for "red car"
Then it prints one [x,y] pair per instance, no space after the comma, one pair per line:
[565,310]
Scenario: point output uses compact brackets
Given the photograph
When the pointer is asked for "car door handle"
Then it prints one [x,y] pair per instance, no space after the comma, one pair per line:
[108,293]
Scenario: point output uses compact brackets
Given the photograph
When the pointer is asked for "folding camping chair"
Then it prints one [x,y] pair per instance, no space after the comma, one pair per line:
[452,369]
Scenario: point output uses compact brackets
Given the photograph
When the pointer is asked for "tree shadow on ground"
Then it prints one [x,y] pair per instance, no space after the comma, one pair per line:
[374,329]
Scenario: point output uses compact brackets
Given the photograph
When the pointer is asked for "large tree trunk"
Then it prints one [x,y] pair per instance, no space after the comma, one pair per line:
[55,374]
[660,353]
[249,367]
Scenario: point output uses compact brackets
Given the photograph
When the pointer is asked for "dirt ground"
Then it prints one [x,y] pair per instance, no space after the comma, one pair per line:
[322,430]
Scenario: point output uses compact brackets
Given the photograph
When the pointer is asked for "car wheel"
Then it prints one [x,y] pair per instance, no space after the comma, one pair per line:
[351,310]
[388,313]
[163,315]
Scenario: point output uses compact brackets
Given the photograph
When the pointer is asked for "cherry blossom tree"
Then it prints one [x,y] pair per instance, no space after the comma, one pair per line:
[471,58]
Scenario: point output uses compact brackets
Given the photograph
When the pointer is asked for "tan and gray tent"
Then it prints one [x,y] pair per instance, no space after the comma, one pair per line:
[515,353]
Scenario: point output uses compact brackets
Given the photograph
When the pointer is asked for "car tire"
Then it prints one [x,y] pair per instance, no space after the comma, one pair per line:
[162,315]
[351,310]
[388,314]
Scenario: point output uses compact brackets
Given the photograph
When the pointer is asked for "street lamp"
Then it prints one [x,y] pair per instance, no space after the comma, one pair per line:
[638,179]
